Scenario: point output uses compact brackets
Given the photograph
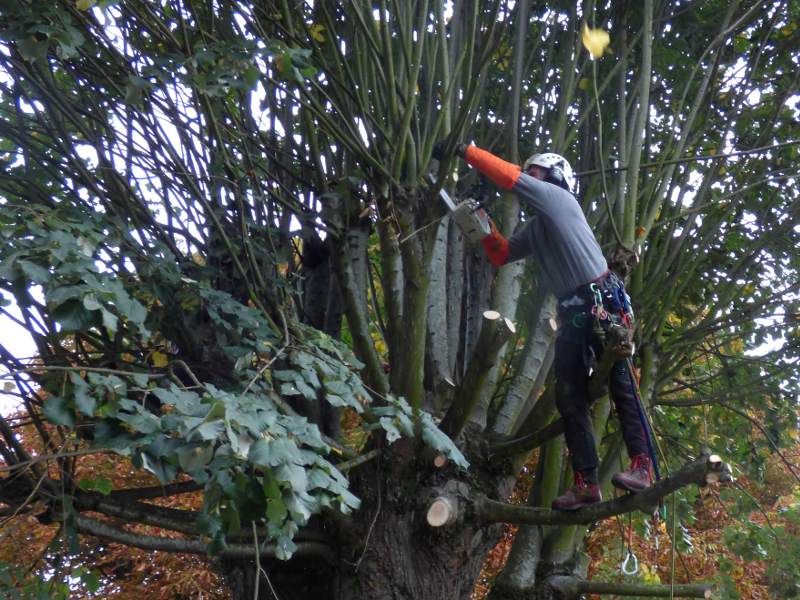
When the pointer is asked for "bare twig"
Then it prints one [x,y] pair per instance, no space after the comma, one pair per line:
[80,369]
[263,369]
[693,159]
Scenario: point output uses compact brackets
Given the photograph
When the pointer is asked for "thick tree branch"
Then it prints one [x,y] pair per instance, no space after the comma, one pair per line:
[526,443]
[164,517]
[164,544]
[698,472]
[172,519]
[494,334]
[574,587]
[157,491]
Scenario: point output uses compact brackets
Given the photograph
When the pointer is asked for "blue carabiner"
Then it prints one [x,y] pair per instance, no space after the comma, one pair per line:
[621,303]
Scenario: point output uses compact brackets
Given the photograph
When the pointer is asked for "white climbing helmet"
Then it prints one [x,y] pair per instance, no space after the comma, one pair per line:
[553,162]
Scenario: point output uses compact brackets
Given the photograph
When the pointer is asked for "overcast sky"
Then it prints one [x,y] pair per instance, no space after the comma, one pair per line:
[19,342]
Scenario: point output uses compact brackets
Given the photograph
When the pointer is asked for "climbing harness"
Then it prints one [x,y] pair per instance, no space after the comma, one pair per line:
[619,304]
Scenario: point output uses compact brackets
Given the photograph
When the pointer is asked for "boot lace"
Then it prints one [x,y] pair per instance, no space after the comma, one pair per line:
[639,463]
[579,485]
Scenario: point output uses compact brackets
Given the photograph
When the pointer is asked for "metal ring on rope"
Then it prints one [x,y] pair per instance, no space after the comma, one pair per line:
[635,569]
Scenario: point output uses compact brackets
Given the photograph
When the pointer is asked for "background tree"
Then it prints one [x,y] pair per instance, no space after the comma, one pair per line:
[218,234]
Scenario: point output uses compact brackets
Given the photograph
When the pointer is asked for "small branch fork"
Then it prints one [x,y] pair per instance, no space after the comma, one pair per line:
[706,470]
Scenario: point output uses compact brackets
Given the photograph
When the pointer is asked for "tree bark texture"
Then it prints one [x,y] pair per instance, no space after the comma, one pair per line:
[389,552]
[392,283]
[479,277]
[505,296]
[437,348]
[316,271]
[401,556]
[455,298]
[531,365]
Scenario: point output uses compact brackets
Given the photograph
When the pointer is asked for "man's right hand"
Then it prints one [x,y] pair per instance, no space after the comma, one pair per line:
[496,246]
[438,150]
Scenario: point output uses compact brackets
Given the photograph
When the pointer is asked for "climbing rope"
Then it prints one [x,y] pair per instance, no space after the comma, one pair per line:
[633,569]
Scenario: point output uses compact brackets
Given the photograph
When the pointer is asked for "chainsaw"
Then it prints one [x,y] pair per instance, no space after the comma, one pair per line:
[469,214]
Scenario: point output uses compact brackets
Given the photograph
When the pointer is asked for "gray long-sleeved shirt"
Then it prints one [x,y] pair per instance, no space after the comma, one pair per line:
[558,237]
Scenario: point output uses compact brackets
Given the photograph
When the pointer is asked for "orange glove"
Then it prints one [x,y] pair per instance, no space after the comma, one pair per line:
[496,246]
[501,172]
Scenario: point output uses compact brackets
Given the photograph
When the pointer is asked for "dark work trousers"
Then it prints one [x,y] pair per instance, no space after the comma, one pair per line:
[572,395]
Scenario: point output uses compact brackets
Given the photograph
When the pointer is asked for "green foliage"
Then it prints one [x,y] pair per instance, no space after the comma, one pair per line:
[15,585]
[255,461]
[163,164]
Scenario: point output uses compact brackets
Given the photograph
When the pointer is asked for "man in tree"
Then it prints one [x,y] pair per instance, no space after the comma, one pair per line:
[574,268]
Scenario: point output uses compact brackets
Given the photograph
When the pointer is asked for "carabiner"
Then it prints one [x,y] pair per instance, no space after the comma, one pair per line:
[635,570]
[599,312]
[598,295]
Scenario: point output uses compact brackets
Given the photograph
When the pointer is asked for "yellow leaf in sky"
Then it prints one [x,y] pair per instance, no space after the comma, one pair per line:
[793,434]
[583,83]
[595,40]
[84,4]
[160,359]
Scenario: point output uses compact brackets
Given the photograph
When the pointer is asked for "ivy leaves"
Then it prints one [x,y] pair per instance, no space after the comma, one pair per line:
[258,463]
[55,250]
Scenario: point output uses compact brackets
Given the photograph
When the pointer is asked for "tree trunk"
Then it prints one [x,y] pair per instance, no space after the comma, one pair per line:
[532,361]
[390,552]
[479,284]
[455,298]
[437,349]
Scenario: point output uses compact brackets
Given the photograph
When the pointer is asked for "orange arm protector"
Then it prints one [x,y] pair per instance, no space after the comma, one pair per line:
[496,247]
[501,172]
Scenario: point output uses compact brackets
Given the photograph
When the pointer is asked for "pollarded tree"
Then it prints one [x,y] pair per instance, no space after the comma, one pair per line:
[220,230]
